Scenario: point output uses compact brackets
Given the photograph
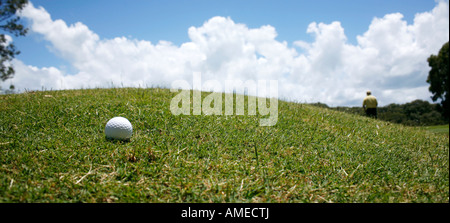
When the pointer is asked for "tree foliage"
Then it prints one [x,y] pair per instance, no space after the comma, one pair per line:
[9,23]
[415,113]
[438,78]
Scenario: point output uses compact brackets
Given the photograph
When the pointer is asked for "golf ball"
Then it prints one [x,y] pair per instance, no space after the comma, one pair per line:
[118,128]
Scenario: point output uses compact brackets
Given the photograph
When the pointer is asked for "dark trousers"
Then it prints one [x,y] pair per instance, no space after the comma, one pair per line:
[372,112]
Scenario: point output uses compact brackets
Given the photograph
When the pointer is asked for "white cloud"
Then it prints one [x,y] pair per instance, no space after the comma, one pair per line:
[389,58]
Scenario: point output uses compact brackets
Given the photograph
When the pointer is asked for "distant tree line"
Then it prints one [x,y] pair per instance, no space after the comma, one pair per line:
[415,113]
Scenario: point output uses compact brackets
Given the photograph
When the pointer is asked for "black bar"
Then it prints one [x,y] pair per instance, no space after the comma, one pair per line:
[226,212]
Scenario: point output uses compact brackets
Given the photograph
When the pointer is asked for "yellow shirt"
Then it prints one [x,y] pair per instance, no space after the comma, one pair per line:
[370,102]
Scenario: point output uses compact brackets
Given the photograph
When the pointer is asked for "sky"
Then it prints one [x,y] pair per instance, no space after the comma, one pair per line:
[319,51]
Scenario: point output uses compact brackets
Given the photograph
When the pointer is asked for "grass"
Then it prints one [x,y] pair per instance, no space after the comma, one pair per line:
[438,129]
[53,149]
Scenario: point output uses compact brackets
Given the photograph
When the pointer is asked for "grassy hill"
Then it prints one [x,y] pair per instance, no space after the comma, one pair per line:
[53,149]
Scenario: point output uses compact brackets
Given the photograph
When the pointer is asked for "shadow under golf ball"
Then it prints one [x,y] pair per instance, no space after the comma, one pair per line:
[117,141]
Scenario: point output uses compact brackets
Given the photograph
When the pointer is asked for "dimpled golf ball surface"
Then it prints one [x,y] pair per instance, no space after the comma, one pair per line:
[118,128]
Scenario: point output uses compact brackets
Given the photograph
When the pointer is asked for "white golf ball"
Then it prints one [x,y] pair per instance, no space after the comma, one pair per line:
[118,128]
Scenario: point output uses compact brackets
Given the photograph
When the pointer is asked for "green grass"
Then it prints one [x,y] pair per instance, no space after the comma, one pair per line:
[437,129]
[53,149]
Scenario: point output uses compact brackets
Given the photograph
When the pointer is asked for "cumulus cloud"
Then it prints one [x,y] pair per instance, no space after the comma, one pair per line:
[389,58]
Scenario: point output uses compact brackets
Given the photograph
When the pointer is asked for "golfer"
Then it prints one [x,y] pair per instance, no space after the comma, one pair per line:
[370,105]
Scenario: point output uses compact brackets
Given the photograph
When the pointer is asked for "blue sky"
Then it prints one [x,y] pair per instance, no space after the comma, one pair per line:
[318,51]
[170,19]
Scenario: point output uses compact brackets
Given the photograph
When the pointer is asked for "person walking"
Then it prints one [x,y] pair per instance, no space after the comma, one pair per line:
[370,104]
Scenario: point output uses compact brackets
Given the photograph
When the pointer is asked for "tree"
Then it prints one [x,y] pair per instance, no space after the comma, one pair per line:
[9,22]
[438,78]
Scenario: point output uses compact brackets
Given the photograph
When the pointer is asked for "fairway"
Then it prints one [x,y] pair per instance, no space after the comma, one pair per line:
[53,149]
[437,129]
